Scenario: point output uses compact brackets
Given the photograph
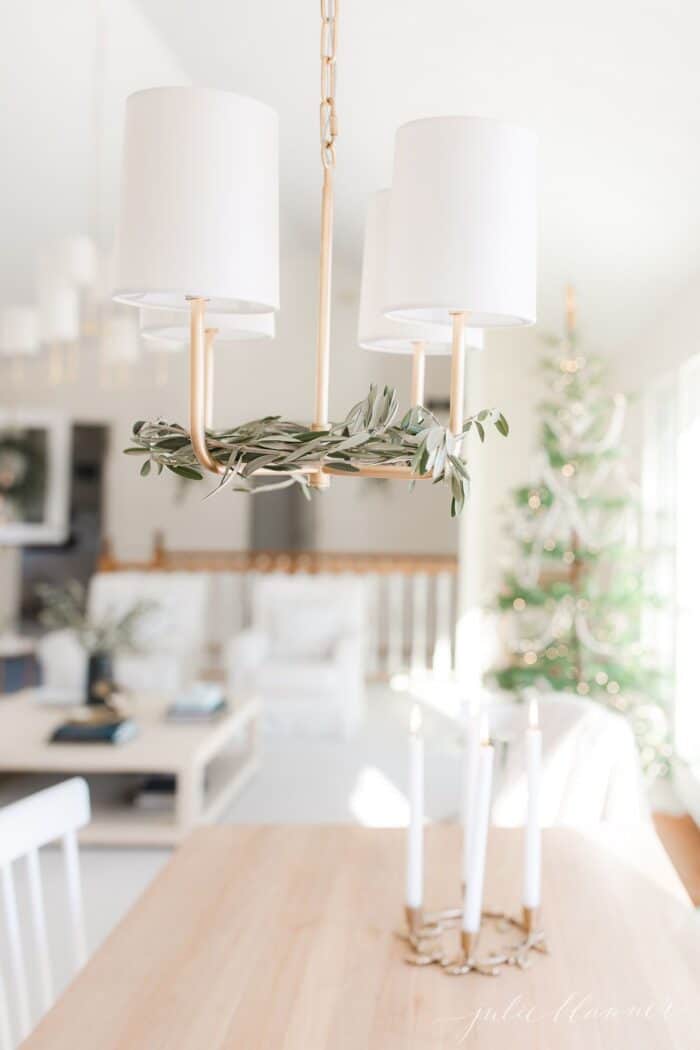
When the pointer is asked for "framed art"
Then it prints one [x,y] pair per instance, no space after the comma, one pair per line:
[34,478]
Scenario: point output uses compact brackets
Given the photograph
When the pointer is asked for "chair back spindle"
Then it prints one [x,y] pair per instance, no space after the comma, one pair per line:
[25,826]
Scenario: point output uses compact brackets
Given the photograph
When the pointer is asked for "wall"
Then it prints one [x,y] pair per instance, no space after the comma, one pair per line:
[68,191]
[65,70]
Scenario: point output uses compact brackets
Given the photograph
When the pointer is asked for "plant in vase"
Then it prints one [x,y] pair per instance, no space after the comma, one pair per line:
[65,608]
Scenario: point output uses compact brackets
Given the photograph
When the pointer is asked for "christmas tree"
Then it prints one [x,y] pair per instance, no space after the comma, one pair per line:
[573,597]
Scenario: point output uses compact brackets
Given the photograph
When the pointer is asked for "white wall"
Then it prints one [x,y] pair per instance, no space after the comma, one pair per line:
[671,340]
[61,70]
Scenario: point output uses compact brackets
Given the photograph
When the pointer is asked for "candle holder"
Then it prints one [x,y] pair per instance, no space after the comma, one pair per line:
[425,935]
[467,961]
[533,940]
[420,928]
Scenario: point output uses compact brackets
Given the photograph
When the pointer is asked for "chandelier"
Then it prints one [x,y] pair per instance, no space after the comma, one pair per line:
[449,251]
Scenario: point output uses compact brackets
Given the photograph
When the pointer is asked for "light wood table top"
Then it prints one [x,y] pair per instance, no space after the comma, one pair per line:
[281,938]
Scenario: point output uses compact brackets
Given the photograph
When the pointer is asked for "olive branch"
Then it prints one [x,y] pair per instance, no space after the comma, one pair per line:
[371,435]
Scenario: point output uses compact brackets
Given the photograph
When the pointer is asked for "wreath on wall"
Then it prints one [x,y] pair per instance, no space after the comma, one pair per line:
[22,474]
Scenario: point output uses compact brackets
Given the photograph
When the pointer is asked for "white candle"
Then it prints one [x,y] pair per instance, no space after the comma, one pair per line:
[414,861]
[474,890]
[533,834]
[470,766]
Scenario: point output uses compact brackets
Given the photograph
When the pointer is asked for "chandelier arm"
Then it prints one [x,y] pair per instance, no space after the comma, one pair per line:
[201,382]
[210,335]
[391,472]
[459,318]
[418,373]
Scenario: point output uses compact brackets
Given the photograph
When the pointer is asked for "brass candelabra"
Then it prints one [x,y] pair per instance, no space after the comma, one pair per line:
[426,934]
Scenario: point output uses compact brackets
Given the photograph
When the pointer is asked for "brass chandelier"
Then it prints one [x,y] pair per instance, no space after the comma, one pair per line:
[198,234]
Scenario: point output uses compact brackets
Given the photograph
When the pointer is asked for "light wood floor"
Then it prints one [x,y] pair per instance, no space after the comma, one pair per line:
[681,838]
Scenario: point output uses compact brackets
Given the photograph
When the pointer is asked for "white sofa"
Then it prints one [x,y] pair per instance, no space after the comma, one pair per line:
[304,653]
[170,636]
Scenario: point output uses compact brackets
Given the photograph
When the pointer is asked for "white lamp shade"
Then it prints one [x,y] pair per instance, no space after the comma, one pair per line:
[19,330]
[59,311]
[375,331]
[171,327]
[462,228]
[199,211]
[78,260]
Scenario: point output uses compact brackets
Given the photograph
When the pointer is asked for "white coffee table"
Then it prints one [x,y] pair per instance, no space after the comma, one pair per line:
[210,763]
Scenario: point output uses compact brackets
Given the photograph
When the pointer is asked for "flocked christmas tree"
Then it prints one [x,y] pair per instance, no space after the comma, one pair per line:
[573,596]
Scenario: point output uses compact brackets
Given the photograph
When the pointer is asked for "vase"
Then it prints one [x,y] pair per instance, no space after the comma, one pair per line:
[100,678]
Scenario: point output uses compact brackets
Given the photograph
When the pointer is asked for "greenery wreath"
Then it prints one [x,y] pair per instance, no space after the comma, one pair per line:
[22,471]
[371,435]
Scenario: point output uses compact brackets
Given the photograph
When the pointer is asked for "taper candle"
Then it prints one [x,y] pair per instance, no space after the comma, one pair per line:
[414,859]
[470,765]
[474,890]
[533,835]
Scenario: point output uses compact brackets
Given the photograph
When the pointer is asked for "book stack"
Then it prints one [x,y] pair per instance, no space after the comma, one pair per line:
[81,731]
[202,702]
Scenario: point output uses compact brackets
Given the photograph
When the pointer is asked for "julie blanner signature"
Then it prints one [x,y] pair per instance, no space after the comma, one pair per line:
[575,1009]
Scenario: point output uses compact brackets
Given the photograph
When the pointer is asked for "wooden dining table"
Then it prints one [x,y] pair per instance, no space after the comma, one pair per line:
[284,938]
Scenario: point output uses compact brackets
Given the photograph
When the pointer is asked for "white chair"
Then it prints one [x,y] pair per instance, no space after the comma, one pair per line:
[304,654]
[171,635]
[26,826]
[590,766]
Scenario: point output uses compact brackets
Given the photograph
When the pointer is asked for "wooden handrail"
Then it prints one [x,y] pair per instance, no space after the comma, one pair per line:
[313,562]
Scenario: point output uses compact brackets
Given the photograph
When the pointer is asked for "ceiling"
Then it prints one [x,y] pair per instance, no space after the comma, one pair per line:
[611,88]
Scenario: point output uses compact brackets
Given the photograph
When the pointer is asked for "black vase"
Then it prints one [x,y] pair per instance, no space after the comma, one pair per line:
[100,678]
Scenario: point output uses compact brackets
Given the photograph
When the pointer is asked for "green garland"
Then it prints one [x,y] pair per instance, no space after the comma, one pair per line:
[370,435]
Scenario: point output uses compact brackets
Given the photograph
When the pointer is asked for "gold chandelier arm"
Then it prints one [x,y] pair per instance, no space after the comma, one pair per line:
[457,373]
[418,374]
[200,388]
[210,335]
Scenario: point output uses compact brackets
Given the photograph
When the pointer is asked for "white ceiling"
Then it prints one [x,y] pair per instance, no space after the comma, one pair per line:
[612,89]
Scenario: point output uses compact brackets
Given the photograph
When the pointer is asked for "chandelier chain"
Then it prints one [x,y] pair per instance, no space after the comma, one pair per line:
[329,118]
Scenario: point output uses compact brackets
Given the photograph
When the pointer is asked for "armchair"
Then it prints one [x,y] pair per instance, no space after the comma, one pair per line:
[304,654]
[171,635]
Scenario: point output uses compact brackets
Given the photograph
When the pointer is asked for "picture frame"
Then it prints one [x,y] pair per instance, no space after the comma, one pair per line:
[35,466]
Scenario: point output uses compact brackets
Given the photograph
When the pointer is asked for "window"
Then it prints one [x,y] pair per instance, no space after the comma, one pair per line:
[671,536]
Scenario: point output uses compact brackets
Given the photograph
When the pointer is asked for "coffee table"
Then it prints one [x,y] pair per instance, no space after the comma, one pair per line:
[210,763]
